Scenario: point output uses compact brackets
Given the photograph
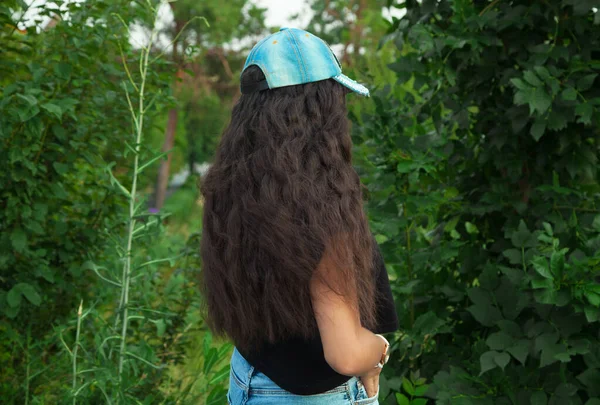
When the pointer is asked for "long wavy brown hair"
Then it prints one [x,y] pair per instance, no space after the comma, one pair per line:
[280,195]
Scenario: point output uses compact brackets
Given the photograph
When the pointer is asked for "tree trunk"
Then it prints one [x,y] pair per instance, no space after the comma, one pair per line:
[165,165]
[163,172]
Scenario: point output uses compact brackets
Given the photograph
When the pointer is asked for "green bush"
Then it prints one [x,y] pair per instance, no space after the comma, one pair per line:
[69,146]
[484,191]
[59,112]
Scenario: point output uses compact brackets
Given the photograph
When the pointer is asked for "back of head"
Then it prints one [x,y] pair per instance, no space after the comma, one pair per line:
[282,191]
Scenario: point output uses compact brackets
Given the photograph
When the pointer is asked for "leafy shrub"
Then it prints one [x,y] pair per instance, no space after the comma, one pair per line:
[64,123]
[484,194]
[59,114]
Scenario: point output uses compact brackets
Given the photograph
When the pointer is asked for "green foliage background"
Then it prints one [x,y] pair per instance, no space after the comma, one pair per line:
[66,129]
[482,171]
[479,148]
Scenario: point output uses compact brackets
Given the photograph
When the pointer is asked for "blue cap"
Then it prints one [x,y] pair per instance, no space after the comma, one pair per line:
[294,56]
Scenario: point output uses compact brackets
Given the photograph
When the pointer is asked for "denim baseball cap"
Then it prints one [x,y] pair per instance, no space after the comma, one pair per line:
[294,56]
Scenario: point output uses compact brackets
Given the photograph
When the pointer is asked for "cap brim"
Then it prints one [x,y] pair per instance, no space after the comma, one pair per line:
[352,85]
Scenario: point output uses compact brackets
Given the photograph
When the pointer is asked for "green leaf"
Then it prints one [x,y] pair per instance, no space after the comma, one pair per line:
[471,228]
[586,82]
[520,350]
[401,399]
[522,237]
[549,355]
[546,296]
[543,73]
[63,70]
[25,114]
[11,312]
[210,360]
[516,276]
[60,168]
[488,279]
[407,288]
[486,315]
[556,120]
[590,378]
[47,274]
[408,386]
[30,293]
[29,99]
[520,84]
[479,296]
[538,128]
[523,97]
[514,256]
[546,343]
[14,297]
[540,264]
[593,298]
[405,166]
[421,390]
[563,357]
[569,94]
[67,104]
[540,100]
[510,327]
[420,37]
[542,283]
[451,224]
[53,109]
[488,361]
[539,398]
[450,75]
[584,111]
[592,314]
[557,263]
[23,289]
[532,79]
[499,340]
[18,239]
[161,327]
[206,344]
[502,360]
[546,339]
[594,401]
[35,226]
[381,238]
[114,181]
[151,161]
[215,397]
[220,375]
[428,323]
[566,390]
[394,383]
[579,346]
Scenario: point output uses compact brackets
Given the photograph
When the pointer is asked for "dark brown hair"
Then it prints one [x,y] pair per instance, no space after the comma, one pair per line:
[281,192]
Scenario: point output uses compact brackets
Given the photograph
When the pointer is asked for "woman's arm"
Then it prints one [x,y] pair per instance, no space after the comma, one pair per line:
[349,348]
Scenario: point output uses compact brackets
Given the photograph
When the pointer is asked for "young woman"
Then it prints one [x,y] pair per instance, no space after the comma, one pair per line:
[291,272]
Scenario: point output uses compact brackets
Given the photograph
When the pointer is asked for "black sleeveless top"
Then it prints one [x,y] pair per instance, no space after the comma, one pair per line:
[298,365]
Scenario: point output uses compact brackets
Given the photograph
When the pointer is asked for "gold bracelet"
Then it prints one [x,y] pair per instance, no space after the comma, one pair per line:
[385,356]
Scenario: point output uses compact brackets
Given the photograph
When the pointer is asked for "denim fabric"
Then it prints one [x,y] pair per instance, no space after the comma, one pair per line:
[293,56]
[248,386]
